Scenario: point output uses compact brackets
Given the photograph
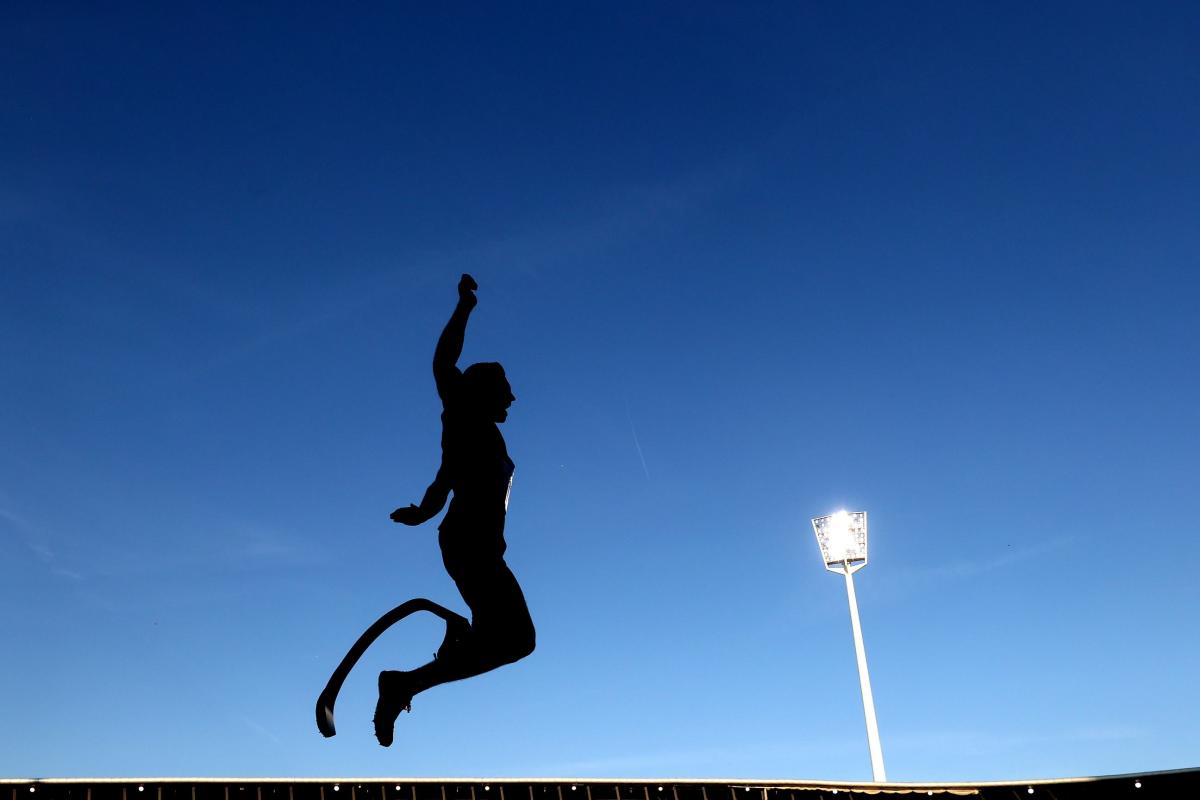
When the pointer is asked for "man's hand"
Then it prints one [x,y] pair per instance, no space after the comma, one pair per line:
[466,291]
[409,515]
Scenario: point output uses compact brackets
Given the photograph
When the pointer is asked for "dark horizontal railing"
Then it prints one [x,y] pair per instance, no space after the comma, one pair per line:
[1173,784]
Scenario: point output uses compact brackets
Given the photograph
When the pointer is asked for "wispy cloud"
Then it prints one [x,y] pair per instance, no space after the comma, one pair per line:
[36,542]
[702,760]
[70,574]
[12,519]
[251,545]
[980,742]
[224,545]
[963,568]
[260,729]
[632,210]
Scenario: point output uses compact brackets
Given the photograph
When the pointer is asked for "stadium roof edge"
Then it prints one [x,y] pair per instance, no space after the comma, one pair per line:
[748,783]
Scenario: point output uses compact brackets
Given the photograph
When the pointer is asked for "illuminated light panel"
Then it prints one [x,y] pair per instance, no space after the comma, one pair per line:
[842,537]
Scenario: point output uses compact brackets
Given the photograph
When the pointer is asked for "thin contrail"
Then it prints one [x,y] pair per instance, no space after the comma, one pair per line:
[636,443]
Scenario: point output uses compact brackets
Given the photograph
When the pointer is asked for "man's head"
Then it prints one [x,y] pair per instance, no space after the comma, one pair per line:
[486,389]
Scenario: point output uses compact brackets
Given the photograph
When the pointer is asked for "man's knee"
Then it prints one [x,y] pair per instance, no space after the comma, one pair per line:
[514,646]
[525,644]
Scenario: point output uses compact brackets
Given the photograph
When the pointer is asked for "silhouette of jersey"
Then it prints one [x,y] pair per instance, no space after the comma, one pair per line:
[477,471]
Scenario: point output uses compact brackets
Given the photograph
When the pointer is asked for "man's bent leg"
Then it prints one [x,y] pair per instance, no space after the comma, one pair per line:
[500,633]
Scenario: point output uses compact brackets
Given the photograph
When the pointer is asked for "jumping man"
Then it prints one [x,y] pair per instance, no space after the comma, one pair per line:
[476,469]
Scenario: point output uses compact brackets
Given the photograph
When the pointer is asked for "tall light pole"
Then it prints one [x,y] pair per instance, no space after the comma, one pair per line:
[842,537]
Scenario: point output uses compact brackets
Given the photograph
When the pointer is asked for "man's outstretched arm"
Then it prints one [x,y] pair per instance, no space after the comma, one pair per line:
[433,502]
[450,343]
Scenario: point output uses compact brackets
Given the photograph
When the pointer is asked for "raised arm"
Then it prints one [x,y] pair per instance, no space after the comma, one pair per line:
[433,502]
[450,343]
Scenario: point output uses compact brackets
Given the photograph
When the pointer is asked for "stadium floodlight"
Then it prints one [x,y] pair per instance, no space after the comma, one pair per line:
[842,537]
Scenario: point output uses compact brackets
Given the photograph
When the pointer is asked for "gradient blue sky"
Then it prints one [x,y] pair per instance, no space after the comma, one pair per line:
[745,264]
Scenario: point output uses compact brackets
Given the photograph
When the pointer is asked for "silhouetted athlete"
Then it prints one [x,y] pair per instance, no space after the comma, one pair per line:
[476,469]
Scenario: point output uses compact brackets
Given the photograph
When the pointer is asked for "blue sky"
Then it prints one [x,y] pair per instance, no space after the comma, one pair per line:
[745,264]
